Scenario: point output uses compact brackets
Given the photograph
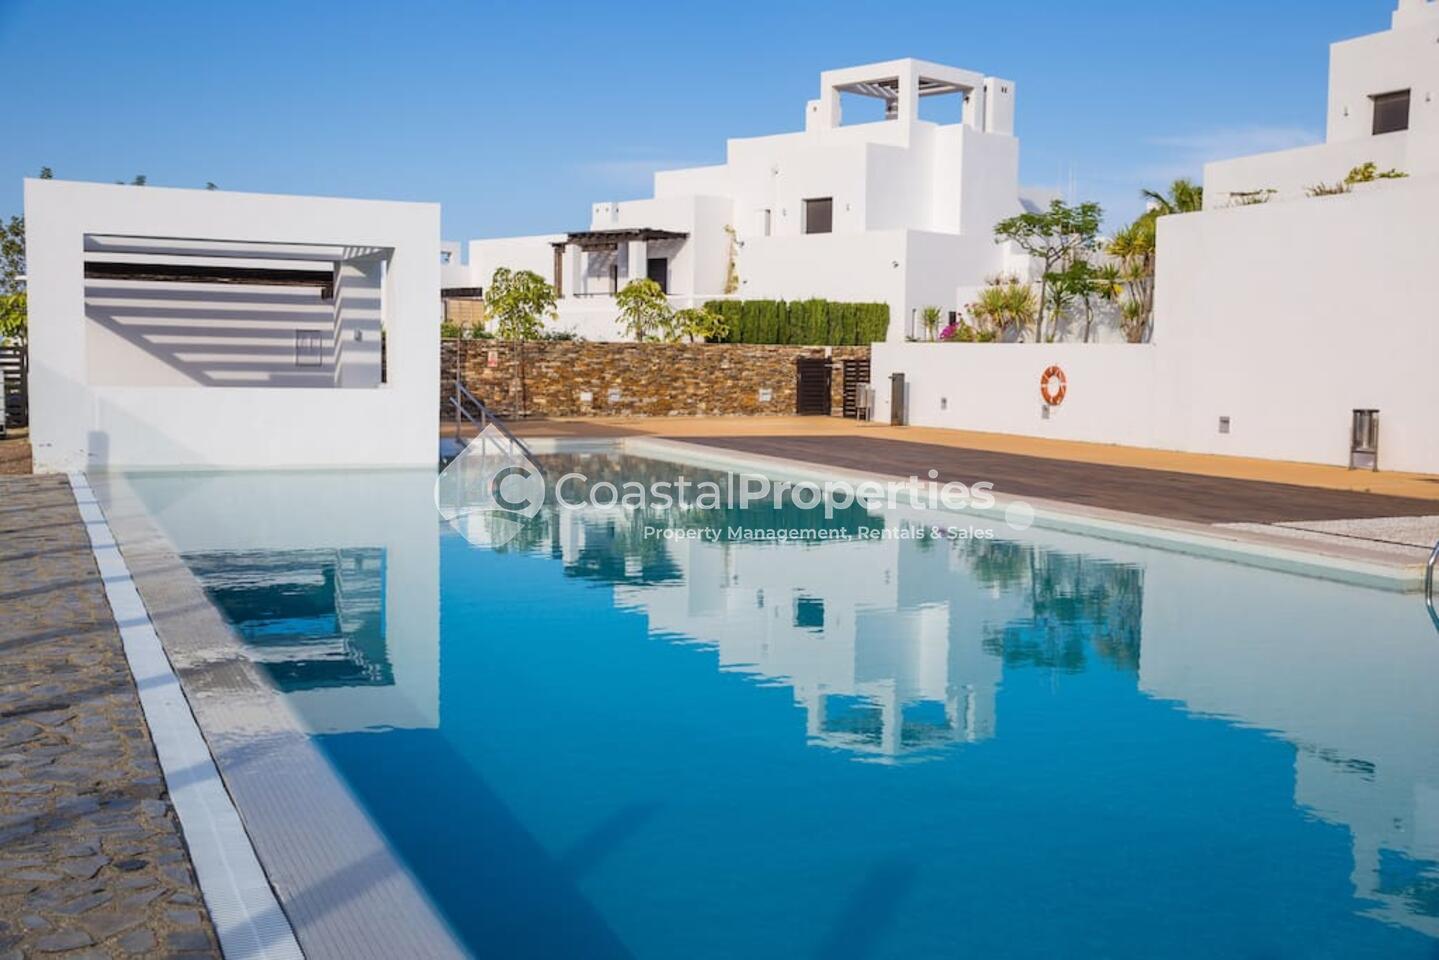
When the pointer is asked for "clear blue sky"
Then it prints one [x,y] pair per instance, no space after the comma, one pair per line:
[517,116]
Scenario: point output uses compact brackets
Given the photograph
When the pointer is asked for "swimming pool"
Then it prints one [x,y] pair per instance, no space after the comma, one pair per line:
[598,742]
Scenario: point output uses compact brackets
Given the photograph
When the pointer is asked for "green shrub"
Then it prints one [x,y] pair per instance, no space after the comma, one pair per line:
[802,322]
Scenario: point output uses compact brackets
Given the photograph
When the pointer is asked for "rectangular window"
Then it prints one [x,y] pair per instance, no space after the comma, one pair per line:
[809,613]
[767,223]
[819,215]
[1391,112]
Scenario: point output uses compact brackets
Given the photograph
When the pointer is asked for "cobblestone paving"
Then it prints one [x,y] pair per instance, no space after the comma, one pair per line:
[92,863]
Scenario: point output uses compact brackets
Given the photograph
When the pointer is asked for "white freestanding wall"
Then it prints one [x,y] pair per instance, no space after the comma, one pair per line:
[118,414]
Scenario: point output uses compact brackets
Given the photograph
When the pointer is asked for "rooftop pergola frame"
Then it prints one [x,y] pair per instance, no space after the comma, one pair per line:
[888,90]
[574,245]
[611,239]
[901,84]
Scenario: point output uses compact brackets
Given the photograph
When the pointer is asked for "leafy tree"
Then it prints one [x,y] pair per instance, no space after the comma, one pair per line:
[697,323]
[1088,284]
[12,288]
[13,301]
[519,301]
[1053,237]
[645,311]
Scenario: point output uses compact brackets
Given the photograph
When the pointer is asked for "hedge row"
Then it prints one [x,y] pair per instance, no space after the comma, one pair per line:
[803,322]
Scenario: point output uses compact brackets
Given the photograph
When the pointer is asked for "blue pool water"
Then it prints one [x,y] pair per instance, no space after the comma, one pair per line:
[612,745]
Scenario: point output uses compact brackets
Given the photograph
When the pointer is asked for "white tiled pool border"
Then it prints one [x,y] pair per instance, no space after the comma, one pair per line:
[342,889]
[247,916]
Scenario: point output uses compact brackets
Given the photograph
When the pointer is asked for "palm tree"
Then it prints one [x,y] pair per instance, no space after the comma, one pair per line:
[1134,248]
[1107,284]
[1184,196]
[930,317]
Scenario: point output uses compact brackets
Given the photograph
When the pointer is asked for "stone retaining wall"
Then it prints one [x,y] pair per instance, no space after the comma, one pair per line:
[581,378]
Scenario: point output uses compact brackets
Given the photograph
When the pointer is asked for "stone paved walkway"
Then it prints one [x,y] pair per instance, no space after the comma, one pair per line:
[92,863]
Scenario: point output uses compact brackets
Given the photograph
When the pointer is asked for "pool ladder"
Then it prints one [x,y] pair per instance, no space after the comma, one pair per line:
[1429,585]
[469,409]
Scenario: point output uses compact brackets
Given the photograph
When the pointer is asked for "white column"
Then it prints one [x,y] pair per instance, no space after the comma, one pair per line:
[814,713]
[974,112]
[575,268]
[357,322]
[891,736]
[830,115]
[908,93]
[639,259]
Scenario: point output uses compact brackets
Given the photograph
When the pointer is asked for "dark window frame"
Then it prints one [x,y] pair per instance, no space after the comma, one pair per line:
[811,206]
[1391,112]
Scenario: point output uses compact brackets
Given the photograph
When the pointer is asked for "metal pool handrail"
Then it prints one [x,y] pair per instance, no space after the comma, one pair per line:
[1429,585]
[463,397]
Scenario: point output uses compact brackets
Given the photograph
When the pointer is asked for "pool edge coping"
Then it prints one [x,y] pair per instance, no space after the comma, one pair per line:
[1217,543]
[247,916]
[388,914]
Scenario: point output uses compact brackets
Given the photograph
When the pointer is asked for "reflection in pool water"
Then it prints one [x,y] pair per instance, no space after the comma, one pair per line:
[312,618]
[880,747]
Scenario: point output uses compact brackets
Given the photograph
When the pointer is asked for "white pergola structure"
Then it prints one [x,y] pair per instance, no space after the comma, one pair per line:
[204,328]
[597,263]
[988,101]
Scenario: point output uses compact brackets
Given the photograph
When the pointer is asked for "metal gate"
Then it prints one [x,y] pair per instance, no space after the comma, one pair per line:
[811,395]
[14,376]
[856,372]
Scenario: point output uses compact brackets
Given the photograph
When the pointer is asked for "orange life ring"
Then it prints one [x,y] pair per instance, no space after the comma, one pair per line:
[1053,397]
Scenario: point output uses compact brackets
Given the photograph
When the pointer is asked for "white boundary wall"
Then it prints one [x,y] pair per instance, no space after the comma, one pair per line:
[1283,317]
[994,387]
[77,423]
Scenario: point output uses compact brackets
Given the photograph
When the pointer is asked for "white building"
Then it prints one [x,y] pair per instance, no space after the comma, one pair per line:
[881,665]
[1274,321]
[209,328]
[1381,110]
[899,209]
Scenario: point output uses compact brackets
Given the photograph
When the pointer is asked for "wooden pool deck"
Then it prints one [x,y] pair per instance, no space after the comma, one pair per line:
[1387,517]
[836,437]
